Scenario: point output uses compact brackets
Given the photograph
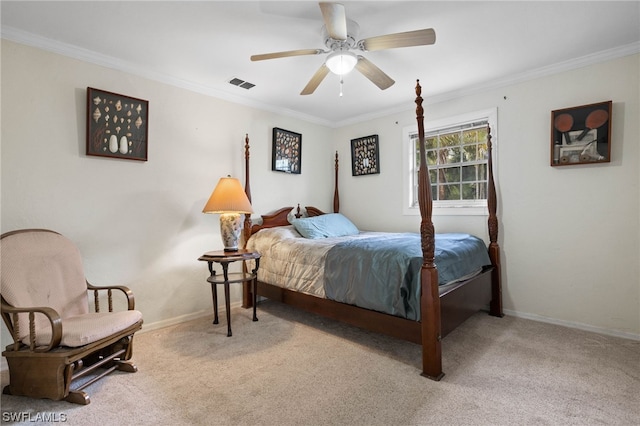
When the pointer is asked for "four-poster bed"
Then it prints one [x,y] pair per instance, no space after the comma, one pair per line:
[441,308]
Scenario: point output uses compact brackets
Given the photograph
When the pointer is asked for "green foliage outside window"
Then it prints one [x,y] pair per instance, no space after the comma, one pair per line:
[457,162]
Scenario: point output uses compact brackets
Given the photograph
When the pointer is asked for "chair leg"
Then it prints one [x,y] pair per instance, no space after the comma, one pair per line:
[78,397]
[126,366]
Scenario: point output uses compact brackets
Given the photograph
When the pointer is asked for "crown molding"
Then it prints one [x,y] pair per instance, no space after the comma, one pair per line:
[72,51]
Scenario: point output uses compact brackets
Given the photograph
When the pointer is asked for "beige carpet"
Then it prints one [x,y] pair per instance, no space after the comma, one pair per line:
[294,368]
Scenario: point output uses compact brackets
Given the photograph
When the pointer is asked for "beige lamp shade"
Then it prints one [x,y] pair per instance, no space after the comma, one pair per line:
[228,197]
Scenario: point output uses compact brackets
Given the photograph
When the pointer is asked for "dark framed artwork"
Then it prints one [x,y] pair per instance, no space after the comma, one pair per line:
[117,125]
[365,156]
[581,135]
[287,151]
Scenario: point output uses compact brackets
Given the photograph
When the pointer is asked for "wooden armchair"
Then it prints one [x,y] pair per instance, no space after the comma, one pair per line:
[45,305]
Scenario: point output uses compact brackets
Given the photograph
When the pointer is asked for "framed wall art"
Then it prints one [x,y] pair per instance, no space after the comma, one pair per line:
[287,151]
[117,125]
[581,135]
[365,156]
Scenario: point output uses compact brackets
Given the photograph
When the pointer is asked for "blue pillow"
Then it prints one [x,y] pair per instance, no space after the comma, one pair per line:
[325,226]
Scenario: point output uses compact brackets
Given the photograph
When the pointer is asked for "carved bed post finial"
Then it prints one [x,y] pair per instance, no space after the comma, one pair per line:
[336,195]
[424,189]
[247,186]
[247,300]
[247,189]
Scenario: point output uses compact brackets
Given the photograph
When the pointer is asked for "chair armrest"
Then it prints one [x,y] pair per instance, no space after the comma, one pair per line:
[52,316]
[131,303]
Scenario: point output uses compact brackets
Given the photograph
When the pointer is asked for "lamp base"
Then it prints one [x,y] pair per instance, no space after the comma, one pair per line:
[230,228]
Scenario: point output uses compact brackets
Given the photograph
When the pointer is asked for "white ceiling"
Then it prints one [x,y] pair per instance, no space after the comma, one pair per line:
[202,45]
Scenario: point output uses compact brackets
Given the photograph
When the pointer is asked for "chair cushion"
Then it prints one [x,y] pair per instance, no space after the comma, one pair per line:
[84,329]
[43,268]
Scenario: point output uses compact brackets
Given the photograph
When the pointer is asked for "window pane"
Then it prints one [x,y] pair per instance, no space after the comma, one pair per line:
[432,159]
[469,153]
[454,155]
[482,190]
[469,173]
[482,172]
[433,175]
[469,137]
[430,143]
[469,191]
[449,192]
[449,155]
[451,139]
[482,151]
[450,175]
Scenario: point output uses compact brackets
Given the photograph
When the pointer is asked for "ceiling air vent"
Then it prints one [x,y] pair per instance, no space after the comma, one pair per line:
[241,83]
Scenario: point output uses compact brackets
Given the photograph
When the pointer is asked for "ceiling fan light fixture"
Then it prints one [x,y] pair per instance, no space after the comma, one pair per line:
[341,62]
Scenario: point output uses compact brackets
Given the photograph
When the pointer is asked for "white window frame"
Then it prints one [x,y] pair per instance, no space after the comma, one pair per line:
[442,208]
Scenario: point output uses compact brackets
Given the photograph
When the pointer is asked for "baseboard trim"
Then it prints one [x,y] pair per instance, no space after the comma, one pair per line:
[576,325]
[175,320]
[184,318]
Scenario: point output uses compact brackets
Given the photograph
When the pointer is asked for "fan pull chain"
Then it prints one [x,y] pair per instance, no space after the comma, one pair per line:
[341,82]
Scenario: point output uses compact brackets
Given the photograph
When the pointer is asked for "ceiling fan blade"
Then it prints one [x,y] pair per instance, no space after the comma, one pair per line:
[315,81]
[391,41]
[287,54]
[373,73]
[335,19]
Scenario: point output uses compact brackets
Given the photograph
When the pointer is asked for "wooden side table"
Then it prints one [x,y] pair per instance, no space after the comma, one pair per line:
[224,258]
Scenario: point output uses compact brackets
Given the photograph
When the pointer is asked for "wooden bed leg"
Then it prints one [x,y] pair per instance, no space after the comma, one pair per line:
[495,307]
[431,325]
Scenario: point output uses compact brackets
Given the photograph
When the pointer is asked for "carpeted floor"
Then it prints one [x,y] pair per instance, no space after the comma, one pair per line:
[295,368]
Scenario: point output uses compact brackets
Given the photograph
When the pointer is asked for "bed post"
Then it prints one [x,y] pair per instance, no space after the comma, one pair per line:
[247,301]
[495,307]
[429,298]
[336,196]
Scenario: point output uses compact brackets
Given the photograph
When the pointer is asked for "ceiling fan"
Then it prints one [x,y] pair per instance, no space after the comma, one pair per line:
[339,36]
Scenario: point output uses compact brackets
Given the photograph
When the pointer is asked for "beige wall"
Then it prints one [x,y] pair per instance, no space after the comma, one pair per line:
[570,236]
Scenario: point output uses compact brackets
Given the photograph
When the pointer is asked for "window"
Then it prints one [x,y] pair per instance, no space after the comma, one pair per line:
[456,151]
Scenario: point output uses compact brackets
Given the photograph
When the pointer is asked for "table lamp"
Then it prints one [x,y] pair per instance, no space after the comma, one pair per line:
[230,201]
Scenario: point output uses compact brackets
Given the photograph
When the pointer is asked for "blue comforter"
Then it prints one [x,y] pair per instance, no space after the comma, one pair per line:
[383,272]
